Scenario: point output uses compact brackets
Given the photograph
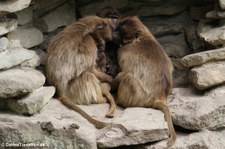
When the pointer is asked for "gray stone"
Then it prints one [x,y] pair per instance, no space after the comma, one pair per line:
[14,56]
[39,58]
[203,139]
[7,25]
[93,7]
[222,4]
[16,82]
[199,12]
[208,75]
[158,29]
[29,37]
[32,103]
[141,126]
[160,10]
[54,126]
[211,34]
[4,42]
[26,130]
[14,5]
[62,16]
[175,45]
[215,14]
[197,111]
[203,57]
[194,41]
[24,16]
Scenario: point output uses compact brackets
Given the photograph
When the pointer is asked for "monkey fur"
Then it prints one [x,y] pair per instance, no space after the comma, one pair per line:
[107,55]
[71,65]
[145,79]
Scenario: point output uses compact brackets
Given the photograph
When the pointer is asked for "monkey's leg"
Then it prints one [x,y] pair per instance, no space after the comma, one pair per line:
[115,83]
[106,92]
[161,105]
[98,124]
[131,92]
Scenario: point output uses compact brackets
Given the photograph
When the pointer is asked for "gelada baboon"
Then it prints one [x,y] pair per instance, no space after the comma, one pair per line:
[107,55]
[71,65]
[145,79]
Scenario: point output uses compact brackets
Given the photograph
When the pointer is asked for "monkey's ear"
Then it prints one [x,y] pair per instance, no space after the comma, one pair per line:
[100,27]
[137,34]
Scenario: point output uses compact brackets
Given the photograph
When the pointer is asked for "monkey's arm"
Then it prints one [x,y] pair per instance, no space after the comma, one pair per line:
[103,77]
[115,83]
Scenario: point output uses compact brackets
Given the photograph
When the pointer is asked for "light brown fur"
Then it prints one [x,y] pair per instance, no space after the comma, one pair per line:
[71,65]
[107,55]
[145,79]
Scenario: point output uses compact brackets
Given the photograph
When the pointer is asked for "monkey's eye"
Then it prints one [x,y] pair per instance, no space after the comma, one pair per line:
[100,27]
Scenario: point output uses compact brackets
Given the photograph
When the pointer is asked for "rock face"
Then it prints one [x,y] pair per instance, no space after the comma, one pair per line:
[60,134]
[26,36]
[211,34]
[14,5]
[197,111]
[32,103]
[160,10]
[63,134]
[202,139]
[203,57]
[7,26]
[16,82]
[24,16]
[60,17]
[14,56]
[208,75]
[142,126]
[3,44]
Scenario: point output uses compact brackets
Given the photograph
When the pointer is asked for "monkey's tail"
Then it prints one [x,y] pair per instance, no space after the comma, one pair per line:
[164,108]
[98,124]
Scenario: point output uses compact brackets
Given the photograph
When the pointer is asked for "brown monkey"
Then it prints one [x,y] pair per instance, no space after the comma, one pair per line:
[71,65]
[107,55]
[145,79]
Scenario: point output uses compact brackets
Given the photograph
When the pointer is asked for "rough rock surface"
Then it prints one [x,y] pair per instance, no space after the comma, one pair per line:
[67,129]
[196,111]
[7,26]
[14,56]
[4,42]
[39,58]
[62,16]
[13,5]
[139,128]
[24,16]
[203,139]
[211,34]
[57,132]
[26,36]
[208,75]
[203,57]
[33,102]
[90,8]
[160,10]
[222,4]
[174,45]
[15,82]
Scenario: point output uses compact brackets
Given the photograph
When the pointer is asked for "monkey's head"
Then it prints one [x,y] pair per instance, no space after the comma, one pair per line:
[131,28]
[113,14]
[100,29]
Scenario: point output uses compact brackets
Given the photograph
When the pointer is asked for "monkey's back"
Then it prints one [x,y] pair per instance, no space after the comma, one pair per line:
[150,66]
[70,54]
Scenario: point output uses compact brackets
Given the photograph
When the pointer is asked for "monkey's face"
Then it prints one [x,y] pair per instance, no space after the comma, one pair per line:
[104,31]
